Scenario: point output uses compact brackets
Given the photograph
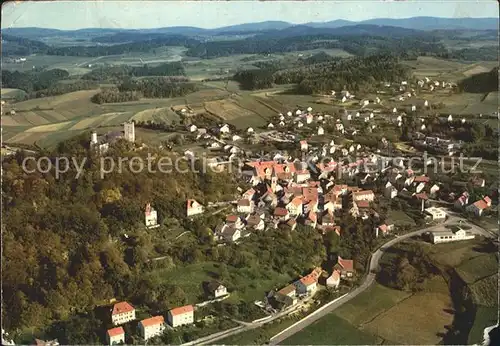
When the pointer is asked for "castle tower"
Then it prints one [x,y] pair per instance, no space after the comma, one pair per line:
[93,138]
[129,130]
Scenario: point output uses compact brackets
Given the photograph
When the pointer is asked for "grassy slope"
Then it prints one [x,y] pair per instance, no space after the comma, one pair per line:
[332,330]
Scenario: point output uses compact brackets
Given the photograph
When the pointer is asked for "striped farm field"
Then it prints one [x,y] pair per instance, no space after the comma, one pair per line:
[23,137]
[227,109]
[85,123]
[50,127]
[10,121]
[35,119]
[113,119]
[157,115]
[52,115]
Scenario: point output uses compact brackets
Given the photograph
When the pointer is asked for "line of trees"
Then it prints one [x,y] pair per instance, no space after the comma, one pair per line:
[120,72]
[135,89]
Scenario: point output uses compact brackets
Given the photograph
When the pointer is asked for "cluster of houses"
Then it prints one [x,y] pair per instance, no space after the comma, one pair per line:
[445,146]
[148,328]
[124,312]
[307,285]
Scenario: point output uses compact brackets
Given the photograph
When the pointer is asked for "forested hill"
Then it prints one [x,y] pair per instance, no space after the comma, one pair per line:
[61,238]
[354,74]
[358,40]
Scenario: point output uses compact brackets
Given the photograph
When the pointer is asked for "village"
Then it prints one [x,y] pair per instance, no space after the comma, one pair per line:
[318,179]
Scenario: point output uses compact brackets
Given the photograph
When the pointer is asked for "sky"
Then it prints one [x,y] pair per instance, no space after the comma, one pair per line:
[212,14]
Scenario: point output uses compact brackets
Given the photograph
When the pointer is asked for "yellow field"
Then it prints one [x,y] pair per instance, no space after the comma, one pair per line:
[227,109]
[69,100]
[475,70]
[85,123]
[49,128]
[417,320]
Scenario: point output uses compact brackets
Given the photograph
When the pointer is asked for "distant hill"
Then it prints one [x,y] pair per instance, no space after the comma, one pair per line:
[416,23]
[351,30]
[420,23]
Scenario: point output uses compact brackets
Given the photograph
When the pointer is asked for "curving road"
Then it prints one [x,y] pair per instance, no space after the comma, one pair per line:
[370,278]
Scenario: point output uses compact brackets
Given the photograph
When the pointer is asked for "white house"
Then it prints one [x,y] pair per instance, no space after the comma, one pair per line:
[321,131]
[394,110]
[245,206]
[181,316]
[300,124]
[216,289]
[151,327]
[436,213]
[344,99]
[122,312]
[451,235]
[334,279]
[194,208]
[250,130]
[391,192]
[309,118]
[450,118]
[150,217]
[289,114]
[304,146]
[115,336]
[224,129]
[192,128]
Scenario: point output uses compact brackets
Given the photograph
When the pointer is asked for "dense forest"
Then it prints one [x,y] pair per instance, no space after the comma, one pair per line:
[480,83]
[114,73]
[152,87]
[34,81]
[353,74]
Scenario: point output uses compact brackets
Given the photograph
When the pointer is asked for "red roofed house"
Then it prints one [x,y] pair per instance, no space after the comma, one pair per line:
[194,208]
[281,214]
[151,327]
[384,229]
[181,316]
[295,206]
[333,203]
[287,295]
[421,179]
[346,268]
[307,284]
[334,279]
[311,220]
[115,336]
[478,206]
[122,312]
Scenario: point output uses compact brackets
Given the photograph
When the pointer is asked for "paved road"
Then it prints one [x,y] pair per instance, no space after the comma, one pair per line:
[370,278]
